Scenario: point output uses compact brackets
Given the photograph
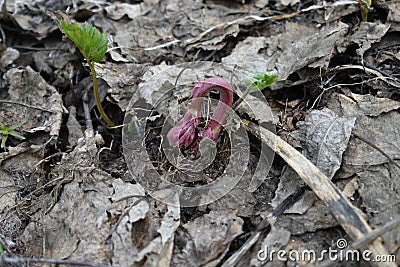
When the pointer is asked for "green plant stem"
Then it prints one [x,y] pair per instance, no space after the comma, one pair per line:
[97,96]
[240,100]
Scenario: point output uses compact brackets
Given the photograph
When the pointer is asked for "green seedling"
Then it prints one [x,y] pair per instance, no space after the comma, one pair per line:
[7,131]
[364,8]
[93,45]
[258,82]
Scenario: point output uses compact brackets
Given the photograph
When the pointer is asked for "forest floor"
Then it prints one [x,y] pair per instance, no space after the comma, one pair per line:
[74,191]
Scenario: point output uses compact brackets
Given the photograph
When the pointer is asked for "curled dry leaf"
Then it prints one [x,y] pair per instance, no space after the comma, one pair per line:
[41,108]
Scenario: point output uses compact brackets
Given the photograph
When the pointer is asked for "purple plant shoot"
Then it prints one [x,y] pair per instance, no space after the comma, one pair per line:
[183,134]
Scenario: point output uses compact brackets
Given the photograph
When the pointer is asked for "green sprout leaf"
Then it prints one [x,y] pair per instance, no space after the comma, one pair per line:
[261,80]
[1,249]
[365,5]
[93,45]
[91,42]
[7,131]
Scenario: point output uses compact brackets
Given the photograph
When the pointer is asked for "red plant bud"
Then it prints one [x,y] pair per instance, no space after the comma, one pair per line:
[183,134]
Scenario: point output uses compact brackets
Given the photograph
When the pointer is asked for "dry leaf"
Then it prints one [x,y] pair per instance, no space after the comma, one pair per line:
[210,237]
[299,46]
[326,136]
[373,124]
[118,10]
[44,110]
[365,35]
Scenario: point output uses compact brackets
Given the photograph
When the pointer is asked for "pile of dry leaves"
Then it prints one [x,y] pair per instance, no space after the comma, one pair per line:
[68,194]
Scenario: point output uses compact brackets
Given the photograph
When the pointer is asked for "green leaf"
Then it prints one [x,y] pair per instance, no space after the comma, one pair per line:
[3,141]
[17,135]
[261,80]
[91,42]
[15,126]
[6,131]
[1,249]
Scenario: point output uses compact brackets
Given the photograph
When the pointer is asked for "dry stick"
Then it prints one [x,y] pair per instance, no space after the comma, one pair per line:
[264,227]
[366,239]
[345,213]
[378,149]
[25,105]
[381,71]
[389,80]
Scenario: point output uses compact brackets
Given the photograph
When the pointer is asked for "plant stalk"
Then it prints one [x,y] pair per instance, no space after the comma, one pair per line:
[97,96]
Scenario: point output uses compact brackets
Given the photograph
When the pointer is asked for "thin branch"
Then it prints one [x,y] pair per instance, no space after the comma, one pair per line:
[378,149]
[264,227]
[366,239]
[389,80]
[25,105]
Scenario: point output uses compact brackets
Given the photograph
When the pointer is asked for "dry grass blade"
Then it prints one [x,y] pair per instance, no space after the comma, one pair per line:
[345,213]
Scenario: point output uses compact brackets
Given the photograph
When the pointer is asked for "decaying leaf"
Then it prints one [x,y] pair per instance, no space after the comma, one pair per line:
[118,10]
[365,35]
[148,238]
[8,57]
[394,14]
[326,136]
[376,122]
[85,195]
[74,128]
[298,47]
[276,239]
[208,239]
[41,108]
[361,105]
[377,177]
[122,80]
[379,192]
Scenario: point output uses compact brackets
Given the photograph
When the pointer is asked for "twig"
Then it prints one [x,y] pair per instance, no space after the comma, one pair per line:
[39,48]
[389,80]
[25,105]
[17,260]
[234,259]
[48,158]
[378,149]
[348,216]
[381,71]
[366,239]
[3,35]
[264,227]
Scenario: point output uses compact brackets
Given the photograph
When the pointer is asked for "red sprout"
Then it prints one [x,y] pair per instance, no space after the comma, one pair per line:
[183,134]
